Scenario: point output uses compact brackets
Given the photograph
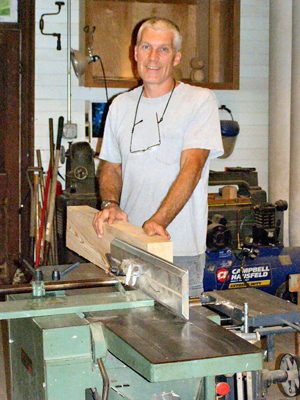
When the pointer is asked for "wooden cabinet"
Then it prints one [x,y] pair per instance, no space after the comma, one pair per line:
[210,30]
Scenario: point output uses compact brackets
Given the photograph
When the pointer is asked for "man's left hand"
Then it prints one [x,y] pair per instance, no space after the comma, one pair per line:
[153,228]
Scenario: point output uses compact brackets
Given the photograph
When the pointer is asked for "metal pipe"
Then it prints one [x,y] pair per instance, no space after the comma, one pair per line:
[238,225]
[276,376]
[69,60]
[105,378]
[246,318]
[52,286]
[296,327]
[258,387]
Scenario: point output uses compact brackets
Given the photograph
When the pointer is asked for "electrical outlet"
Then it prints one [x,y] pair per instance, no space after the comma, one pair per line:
[70,131]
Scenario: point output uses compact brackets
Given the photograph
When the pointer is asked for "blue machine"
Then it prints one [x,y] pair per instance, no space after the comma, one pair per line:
[244,238]
[269,271]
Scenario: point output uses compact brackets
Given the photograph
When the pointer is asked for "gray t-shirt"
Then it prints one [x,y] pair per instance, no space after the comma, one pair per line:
[191,121]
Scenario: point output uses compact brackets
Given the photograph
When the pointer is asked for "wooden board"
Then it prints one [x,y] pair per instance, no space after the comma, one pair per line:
[81,237]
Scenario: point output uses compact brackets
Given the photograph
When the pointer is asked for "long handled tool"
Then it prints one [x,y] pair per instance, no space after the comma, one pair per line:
[49,224]
[32,233]
[45,195]
[43,216]
[37,206]
[32,219]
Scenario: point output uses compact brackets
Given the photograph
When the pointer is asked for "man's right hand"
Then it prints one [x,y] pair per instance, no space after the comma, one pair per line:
[109,214]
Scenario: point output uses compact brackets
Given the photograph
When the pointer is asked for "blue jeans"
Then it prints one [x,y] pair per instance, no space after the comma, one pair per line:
[195,265]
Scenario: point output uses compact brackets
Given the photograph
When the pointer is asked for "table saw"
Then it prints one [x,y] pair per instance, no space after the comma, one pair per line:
[111,343]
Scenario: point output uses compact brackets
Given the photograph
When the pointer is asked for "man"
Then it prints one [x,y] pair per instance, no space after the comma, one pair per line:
[157,144]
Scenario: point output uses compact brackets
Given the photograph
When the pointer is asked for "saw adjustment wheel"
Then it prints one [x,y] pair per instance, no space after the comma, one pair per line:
[80,172]
[291,364]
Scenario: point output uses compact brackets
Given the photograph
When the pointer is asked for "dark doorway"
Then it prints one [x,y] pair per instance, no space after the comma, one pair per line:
[16,134]
[9,149]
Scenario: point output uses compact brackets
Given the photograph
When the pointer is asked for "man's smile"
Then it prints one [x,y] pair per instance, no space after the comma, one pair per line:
[153,68]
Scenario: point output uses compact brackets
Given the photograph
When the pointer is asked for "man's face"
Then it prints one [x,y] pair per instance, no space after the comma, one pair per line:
[155,56]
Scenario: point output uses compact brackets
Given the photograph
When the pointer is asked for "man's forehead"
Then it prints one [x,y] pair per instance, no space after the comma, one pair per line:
[162,36]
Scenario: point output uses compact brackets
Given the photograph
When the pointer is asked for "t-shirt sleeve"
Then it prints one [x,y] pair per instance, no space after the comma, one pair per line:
[110,150]
[203,130]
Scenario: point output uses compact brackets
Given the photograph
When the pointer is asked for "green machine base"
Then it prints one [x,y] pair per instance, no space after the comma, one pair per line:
[146,350]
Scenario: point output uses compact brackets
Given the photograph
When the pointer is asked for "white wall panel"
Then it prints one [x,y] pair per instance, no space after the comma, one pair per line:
[254,46]
[251,94]
[254,23]
[254,59]
[253,34]
[254,71]
[254,84]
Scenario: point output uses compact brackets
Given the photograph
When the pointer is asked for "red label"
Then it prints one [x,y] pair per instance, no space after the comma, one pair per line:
[222,275]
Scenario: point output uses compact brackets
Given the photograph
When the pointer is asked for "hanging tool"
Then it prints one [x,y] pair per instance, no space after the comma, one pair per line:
[58,35]
[49,224]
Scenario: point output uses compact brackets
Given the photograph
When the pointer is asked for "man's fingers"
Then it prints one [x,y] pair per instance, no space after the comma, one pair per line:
[109,214]
[98,221]
[111,219]
[162,232]
[149,230]
[117,214]
[152,228]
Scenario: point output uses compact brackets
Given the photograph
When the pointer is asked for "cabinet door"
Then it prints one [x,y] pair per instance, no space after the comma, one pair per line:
[210,30]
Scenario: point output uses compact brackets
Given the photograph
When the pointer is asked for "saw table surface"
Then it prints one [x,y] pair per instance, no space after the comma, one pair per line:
[84,271]
[264,309]
[161,346]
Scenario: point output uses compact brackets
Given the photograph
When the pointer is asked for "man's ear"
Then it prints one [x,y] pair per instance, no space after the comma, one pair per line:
[135,53]
[177,59]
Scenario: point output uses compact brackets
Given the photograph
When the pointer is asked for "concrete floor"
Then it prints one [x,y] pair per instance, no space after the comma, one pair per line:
[283,344]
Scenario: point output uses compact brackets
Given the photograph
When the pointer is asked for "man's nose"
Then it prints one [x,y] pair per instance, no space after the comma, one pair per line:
[153,54]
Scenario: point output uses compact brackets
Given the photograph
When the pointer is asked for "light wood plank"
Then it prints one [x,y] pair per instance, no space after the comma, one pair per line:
[214,45]
[82,238]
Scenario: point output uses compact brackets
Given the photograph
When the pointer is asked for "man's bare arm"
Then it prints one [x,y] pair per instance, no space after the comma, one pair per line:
[191,164]
[110,183]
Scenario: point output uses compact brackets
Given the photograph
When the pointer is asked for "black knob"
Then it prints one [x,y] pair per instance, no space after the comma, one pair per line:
[38,275]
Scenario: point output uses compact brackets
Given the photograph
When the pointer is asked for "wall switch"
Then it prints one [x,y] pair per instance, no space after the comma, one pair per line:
[70,130]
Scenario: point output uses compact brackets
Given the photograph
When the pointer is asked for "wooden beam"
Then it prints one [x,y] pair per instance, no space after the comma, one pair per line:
[81,237]
[215,41]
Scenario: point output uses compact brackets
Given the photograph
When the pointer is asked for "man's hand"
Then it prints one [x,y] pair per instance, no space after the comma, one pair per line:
[109,214]
[153,228]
